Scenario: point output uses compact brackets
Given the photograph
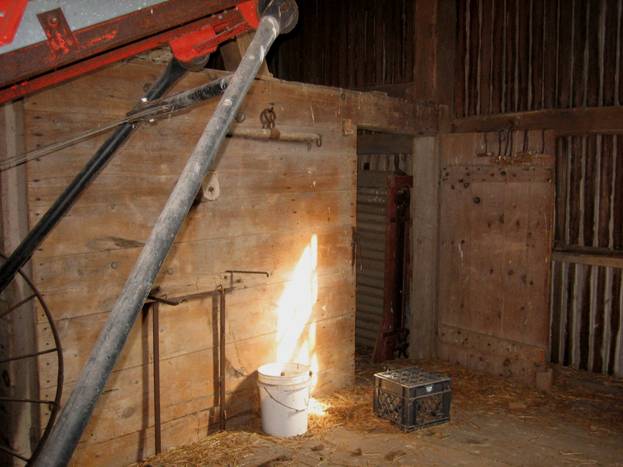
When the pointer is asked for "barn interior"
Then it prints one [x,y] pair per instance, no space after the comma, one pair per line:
[450,176]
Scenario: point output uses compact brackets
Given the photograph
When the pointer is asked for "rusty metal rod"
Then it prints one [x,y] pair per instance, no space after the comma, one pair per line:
[164,301]
[17,305]
[27,401]
[30,355]
[279,16]
[13,453]
[222,389]
[155,317]
[265,134]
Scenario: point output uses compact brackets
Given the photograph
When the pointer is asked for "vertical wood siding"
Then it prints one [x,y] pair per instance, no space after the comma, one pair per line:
[521,55]
[350,43]
[587,300]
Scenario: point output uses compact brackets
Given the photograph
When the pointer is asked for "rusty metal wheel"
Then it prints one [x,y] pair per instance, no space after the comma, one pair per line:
[10,364]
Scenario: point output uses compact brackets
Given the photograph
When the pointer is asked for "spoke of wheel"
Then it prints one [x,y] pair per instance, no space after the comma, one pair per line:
[27,401]
[13,453]
[30,355]
[17,305]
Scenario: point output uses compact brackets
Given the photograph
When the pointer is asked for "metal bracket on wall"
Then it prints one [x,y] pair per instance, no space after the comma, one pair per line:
[231,273]
[269,131]
[153,303]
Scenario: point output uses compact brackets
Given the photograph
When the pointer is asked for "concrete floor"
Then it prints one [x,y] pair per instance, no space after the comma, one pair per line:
[494,422]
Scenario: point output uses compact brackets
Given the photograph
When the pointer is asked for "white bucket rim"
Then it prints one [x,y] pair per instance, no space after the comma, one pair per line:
[295,373]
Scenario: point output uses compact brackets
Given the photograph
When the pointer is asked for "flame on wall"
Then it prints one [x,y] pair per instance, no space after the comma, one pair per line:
[296,336]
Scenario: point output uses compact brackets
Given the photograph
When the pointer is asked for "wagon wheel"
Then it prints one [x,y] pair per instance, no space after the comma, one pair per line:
[31,293]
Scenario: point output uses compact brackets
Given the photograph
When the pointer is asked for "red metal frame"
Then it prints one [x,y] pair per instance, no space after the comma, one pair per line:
[12,12]
[60,38]
[190,41]
[391,323]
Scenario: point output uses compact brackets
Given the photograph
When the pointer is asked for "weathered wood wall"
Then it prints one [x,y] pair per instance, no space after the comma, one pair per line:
[495,246]
[282,208]
[518,55]
[587,305]
[355,44]
[17,329]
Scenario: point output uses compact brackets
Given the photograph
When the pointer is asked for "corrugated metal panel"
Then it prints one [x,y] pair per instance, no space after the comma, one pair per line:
[385,162]
[515,56]
[587,296]
[371,225]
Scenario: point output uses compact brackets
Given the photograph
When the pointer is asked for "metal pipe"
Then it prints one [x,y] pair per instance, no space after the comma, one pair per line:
[27,247]
[155,317]
[279,16]
[276,135]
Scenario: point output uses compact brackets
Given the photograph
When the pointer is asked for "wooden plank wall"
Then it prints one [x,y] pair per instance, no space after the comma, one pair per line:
[18,328]
[282,208]
[495,241]
[519,55]
[356,44]
[587,291]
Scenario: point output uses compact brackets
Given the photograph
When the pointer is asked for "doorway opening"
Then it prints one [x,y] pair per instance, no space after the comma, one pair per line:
[383,253]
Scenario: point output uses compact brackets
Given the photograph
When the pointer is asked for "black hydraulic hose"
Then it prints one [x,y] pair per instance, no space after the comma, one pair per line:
[280,16]
[182,100]
[63,203]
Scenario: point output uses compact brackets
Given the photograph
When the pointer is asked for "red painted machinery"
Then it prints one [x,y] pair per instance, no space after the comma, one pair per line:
[42,46]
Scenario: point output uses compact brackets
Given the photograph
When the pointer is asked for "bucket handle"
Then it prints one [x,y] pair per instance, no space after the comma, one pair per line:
[284,405]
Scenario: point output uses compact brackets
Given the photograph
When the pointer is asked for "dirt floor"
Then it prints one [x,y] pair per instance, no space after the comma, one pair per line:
[493,422]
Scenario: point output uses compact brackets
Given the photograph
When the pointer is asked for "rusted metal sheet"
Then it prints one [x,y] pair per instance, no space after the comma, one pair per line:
[371,206]
[516,56]
[587,298]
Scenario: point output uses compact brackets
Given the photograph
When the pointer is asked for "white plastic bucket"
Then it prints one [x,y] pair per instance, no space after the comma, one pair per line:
[284,398]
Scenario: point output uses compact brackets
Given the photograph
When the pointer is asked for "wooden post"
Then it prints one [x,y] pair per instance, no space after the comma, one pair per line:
[425,213]
[435,29]
[23,418]
[233,51]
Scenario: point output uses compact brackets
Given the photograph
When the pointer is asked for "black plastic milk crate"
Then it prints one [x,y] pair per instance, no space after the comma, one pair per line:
[412,398]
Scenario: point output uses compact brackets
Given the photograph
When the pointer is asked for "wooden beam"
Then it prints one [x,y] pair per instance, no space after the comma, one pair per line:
[22,338]
[589,259]
[425,242]
[578,120]
[434,59]
[233,51]
[399,90]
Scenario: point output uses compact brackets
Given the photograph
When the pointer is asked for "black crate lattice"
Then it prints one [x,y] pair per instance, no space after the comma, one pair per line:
[412,398]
